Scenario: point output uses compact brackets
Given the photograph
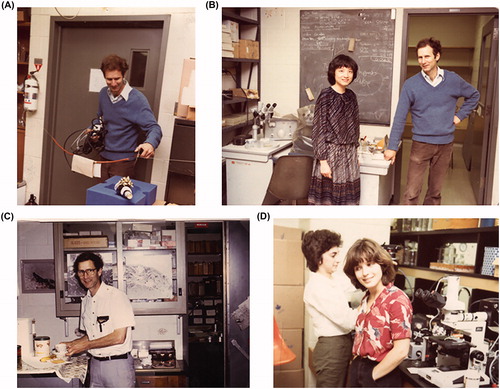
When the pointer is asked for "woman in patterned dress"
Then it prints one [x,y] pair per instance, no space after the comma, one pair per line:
[335,136]
[383,327]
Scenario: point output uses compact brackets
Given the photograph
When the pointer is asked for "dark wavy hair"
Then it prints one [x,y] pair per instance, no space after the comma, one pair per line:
[369,251]
[341,61]
[316,243]
[88,256]
[433,43]
[114,62]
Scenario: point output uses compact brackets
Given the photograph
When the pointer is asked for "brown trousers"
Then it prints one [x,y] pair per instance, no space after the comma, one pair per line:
[122,169]
[422,156]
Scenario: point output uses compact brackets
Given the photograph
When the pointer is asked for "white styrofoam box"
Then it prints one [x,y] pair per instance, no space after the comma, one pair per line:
[490,254]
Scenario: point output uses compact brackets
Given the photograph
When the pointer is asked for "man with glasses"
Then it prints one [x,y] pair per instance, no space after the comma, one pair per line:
[107,318]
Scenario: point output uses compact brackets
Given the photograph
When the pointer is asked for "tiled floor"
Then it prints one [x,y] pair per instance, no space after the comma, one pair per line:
[457,189]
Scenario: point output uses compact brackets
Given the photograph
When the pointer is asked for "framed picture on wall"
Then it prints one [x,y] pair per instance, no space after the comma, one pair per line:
[37,276]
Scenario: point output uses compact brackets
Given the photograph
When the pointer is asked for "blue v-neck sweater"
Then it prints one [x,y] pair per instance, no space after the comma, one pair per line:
[124,121]
[432,108]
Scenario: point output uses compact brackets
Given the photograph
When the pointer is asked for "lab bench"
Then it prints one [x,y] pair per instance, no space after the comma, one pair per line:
[73,374]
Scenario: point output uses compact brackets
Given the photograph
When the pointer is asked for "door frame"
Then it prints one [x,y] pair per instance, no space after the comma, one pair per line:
[57,24]
[487,168]
[404,54]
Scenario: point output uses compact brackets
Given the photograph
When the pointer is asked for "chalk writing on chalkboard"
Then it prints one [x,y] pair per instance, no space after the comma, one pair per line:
[365,35]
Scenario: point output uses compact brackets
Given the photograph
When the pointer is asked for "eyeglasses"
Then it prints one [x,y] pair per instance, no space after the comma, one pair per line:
[86,272]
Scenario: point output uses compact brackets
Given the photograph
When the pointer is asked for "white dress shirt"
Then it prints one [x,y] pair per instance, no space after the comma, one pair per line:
[123,95]
[113,303]
[437,80]
[327,303]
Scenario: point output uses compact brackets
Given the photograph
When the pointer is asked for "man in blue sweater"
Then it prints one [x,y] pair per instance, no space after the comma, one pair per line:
[431,97]
[126,113]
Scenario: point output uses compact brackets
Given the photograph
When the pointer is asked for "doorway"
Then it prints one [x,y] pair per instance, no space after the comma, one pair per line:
[217,256]
[461,34]
[76,50]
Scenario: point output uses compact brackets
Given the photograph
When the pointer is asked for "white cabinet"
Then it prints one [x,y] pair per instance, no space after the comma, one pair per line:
[146,260]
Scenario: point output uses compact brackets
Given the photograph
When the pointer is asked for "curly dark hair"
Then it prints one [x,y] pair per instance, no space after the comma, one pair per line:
[341,61]
[316,243]
[433,43]
[367,250]
[114,62]
[88,256]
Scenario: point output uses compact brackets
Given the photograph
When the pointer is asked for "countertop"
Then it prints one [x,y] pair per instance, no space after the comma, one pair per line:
[76,367]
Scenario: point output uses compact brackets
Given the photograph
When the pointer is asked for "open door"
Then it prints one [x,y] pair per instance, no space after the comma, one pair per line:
[479,149]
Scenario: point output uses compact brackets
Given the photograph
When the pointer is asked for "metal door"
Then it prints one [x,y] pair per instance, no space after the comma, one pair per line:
[480,143]
[237,336]
[76,47]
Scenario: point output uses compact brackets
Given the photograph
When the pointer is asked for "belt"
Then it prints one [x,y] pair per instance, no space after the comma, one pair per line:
[122,356]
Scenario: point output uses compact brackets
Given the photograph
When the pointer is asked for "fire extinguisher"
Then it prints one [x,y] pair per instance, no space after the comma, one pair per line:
[31,93]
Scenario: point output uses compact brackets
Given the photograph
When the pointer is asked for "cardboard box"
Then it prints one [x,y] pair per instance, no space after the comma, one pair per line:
[22,16]
[445,224]
[233,28]
[289,306]
[249,49]
[86,242]
[247,93]
[236,49]
[294,339]
[287,233]
[289,262]
[289,378]
[187,88]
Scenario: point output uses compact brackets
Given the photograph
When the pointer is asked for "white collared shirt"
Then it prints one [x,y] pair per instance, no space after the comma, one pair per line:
[437,80]
[115,305]
[123,95]
[327,303]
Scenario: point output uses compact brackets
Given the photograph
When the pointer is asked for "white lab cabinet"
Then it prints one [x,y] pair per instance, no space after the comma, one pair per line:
[249,170]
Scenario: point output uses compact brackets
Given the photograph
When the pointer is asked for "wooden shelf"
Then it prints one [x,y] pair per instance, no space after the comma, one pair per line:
[232,15]
[429,243]
[456,273]
[240,60]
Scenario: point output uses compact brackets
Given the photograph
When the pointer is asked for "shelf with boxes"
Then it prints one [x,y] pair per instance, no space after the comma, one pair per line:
[205,278]
[461,246]
[142,259]
[240,68]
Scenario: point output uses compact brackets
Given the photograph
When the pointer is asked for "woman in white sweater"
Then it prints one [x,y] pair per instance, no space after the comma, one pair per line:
[327,303]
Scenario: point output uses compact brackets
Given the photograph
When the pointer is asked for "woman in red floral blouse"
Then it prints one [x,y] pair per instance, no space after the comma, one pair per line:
[383,326]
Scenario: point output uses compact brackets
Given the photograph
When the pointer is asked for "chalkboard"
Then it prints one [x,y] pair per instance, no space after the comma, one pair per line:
[327,33]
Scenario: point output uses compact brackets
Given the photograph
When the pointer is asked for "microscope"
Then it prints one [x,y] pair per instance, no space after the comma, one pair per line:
[453,343]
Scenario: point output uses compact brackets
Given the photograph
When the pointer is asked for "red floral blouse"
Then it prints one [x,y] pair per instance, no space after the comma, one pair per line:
[388,319]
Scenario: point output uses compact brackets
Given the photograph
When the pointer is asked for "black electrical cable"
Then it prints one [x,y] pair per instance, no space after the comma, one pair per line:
[65,143]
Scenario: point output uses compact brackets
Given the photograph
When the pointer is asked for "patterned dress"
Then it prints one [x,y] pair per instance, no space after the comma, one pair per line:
[335,137]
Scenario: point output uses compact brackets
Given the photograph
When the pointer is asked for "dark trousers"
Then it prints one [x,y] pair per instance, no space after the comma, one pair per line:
[360,375]
[122,169]
[331,358]
[422,156]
